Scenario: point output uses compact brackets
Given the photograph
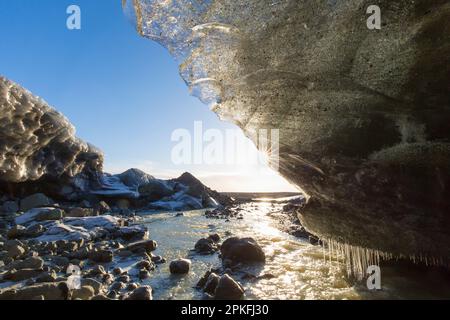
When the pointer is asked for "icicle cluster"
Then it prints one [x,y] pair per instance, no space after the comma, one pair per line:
[358,259]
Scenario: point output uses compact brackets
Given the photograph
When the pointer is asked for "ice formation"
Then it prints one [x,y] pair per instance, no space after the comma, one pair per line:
[37,141]
[363,114]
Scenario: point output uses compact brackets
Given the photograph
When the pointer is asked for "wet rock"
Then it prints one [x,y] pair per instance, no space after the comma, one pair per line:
[206,246]
[117,271]
[142,246]
[158,259]
[242,250]
[201,283]
[228,289]
[145,264]
[123,278]
[180,266]
[141,293]
[211,284]
[50,291]
[143,274]
[214,237]
[84,293]
[35,201]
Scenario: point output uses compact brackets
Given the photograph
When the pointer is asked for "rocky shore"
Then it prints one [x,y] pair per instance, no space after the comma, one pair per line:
[55,252]
[65,224]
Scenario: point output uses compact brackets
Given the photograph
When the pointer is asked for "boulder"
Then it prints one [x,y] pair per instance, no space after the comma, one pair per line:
[20,275]
[180,266]
[211,284]
[141,293]
[50,291]
[84,293]
[141,246]
[214,237]
[35,201]
[28,263]
[133,233]
[242,250]
[228,289]
[206,246]
[39,215]
[143,274]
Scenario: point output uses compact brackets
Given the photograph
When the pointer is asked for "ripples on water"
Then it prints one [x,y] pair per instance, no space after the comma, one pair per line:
[298,269]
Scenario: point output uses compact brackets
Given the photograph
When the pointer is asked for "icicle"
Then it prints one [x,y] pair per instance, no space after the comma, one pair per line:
[358,259]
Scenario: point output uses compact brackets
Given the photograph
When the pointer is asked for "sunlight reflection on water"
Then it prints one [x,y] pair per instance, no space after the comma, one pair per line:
[297,269]
[294,268]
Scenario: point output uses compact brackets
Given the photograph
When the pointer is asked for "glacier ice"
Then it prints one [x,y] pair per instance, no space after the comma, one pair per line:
[362,114]
[37,141]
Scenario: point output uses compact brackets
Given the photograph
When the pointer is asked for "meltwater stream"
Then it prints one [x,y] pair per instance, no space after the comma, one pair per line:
[294,268]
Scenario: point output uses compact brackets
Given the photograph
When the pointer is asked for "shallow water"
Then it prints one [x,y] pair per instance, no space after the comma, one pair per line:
[298,269]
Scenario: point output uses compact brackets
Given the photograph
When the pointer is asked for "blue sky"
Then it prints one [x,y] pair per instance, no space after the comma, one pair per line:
[122,92]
